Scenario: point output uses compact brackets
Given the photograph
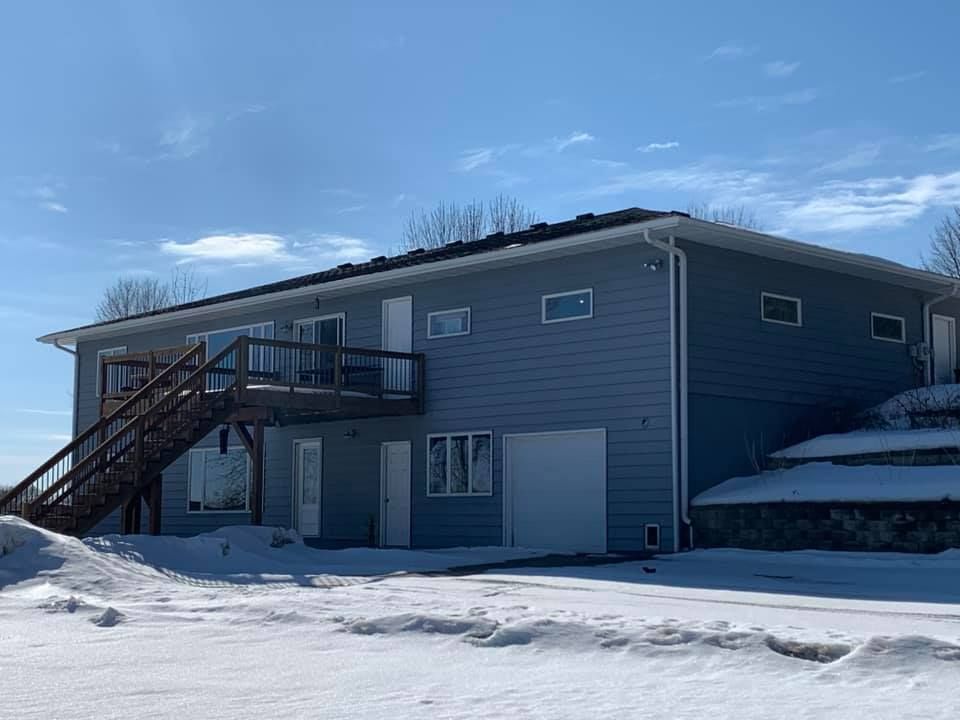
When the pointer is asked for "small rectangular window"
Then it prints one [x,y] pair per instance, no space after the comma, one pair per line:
[218,482]
[460,464]
[573,305]
[890,328]
[651,539]
[781,309]
[448,323]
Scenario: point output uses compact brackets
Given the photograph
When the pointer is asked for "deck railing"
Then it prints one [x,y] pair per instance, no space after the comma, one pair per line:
[123,375]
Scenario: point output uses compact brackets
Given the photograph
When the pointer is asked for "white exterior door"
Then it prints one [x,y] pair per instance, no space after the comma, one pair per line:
[308,485]
[398,337]
[395,494]
[944,349]
[555,487]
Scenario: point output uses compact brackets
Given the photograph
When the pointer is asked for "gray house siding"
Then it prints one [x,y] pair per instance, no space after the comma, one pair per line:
[756,386]
[511,374]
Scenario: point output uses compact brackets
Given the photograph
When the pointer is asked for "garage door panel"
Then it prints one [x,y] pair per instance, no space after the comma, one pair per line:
[558,490]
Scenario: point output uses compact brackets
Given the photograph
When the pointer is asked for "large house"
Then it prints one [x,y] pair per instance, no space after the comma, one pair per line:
[569,386]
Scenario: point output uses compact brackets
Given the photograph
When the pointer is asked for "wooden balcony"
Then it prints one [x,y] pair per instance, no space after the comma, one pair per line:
[292,382]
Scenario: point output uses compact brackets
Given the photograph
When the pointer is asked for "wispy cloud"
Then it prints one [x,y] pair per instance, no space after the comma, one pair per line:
[243,249]
[654,146]
[574,138]
[53,206]
[946,141]
[185,136]
[351,209]
[398,200]
[729,51]
[695,178]
[780,68]
[765,103]
[472,159]
[907,77]
[609,164]
[37,411]
[45,192]
[863,155]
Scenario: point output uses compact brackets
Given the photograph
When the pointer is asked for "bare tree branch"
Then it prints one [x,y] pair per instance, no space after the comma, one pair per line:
[945,246]
[738,215]
[139,294]
[449,222]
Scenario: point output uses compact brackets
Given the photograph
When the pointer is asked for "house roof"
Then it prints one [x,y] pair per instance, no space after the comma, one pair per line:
[537,233]
[581,233]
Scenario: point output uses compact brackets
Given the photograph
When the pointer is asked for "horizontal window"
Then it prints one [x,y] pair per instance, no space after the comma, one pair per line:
[460,464]
[448,323]
[573,305]
[218,483]
[891,328]
[781,309]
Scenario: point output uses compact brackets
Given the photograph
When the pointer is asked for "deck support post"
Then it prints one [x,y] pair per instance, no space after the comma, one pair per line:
[154,499]
[130,515]
[254,446]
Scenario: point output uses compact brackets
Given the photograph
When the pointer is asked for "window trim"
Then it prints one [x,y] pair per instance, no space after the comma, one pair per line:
[430,315]
[903,328]
[342,316]
[102,353]
[189,479]
[469,435]
[550,296]
[203,335]
[798,301]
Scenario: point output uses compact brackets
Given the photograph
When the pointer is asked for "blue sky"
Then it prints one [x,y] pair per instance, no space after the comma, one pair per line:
[262,140]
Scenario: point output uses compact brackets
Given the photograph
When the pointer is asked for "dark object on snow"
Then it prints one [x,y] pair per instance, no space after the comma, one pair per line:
[648,570]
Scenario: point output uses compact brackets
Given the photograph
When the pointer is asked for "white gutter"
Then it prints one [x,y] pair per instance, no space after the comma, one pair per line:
[679,385]
[76,380]
[927,322]
[376,278]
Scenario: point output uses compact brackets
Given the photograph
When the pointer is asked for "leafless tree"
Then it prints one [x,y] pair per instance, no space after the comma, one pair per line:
[945,246]
[738,215]
[132,295]
[449,222]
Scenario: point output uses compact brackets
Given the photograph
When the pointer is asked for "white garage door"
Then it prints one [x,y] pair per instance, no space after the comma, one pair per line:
[555,490]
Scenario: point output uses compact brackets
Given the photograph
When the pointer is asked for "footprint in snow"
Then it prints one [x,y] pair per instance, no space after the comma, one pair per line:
[108,618]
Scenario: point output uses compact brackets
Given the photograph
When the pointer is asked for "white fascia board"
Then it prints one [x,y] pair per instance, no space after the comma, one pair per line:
[387,277]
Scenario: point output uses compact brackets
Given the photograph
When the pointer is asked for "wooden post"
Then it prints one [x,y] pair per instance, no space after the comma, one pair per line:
[156,505]
[243,354]
[256,499]
[337,375]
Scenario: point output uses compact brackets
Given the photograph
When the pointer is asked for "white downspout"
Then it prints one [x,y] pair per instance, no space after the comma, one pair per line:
[76,379]
[927,322]
[679,385]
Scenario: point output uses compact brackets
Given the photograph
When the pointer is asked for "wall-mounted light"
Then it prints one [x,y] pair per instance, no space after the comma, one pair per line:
[653,265]
[350,434]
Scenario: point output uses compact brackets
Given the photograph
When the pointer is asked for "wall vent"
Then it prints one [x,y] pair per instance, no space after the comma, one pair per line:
[651,536]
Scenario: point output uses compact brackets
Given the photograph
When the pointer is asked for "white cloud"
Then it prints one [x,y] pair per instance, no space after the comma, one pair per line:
[53,207]
[574,138]
[398,200]
[946,141]
[654,146]
[764,103]
[35,411]
[472,159]
[700,178]
[244,249]
[610,164]
[728,51]
[351,209]
[186,136]
[779,68]
[906,77]
[862,155]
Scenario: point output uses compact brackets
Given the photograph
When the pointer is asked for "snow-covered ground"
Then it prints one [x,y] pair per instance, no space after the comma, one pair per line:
[225,626]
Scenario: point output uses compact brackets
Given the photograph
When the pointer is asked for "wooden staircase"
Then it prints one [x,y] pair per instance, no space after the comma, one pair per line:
[116,460]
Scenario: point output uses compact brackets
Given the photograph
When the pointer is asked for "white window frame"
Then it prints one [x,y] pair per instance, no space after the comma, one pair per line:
[469,435]
[190,479]
[798,301]
[903,328]
[431,315]
[342,316]
[202,336]
[543,306]
[101,354]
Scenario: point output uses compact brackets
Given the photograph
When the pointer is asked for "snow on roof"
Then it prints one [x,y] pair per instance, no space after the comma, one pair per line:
[825,482]
[905,410]
[868,442]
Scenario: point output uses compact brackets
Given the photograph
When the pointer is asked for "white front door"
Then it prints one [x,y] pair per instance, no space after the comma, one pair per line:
[944,349]
[555,486]
[397,337]
[395,494]
[307,485]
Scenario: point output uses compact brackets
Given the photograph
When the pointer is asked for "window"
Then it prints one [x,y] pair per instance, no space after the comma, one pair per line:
[780,309]
[101,354]
[448,323]
[218,483]
[573,305]
[890,328]
[460,464]
[315,367]
[261,358]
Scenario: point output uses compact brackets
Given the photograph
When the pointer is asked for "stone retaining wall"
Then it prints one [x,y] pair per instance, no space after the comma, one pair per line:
[926,527]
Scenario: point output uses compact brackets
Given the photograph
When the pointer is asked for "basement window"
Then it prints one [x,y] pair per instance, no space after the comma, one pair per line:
[890,328]
[781,309]
[218,483]
[460,464]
